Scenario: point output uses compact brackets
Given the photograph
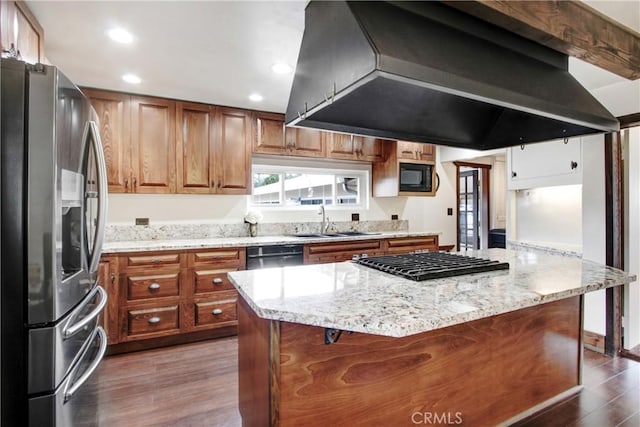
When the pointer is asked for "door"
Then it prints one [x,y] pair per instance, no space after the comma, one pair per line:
[307,142]
[369,149]
[153,145]
[113,110]
[269,134]
[233,151]
[194,148]
[342,146]
[468,213]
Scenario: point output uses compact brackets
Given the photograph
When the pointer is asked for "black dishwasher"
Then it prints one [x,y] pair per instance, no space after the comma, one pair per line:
[274,256]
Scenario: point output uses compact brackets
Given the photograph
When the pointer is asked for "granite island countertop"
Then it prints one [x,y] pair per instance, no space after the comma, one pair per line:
[352,297]
[226,242]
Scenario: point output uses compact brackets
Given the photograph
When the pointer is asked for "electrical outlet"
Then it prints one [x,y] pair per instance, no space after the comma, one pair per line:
[355,217]
[449,211]
[394,216]
[142,221]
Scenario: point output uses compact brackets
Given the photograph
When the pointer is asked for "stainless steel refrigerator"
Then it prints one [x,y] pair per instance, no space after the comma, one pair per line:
[53,212]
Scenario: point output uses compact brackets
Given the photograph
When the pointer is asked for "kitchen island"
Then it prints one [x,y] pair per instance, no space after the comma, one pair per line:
[478,349]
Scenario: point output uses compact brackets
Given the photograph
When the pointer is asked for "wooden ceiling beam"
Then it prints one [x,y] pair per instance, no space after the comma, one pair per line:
[571,27]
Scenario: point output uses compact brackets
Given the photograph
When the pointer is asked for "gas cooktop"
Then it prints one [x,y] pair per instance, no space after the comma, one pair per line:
[431,265]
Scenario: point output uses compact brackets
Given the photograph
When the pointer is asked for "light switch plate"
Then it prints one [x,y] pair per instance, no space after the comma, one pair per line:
[142,221]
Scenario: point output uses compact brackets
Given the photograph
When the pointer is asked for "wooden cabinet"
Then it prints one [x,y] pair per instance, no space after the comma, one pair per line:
[545,164]
[403,245]
[108,279]
[233,151]
[354,147]
[138,138]
[416,151]
[271,137]
[114,117]
[213,151]
[386,175]
[173,295]
[319,253]
[20,33]
[153,122]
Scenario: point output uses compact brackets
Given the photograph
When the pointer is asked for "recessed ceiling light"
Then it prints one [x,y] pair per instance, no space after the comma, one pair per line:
[281,68]
[255,97]
[120,35]
[131,78]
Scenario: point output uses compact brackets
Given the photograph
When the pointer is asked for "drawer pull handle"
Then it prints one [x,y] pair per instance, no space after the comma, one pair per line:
[156,261]
[217,281]
[154,320]
[216,311]
[154,286]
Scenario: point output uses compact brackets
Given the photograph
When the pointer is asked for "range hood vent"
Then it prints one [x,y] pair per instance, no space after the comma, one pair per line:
[425,72]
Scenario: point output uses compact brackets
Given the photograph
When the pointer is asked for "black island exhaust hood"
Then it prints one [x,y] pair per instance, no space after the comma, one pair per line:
[425,72]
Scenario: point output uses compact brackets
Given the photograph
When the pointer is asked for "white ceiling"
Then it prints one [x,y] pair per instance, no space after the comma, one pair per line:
[217,52]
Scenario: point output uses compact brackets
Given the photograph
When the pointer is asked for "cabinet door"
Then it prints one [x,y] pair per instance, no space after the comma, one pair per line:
[309,143]
[268,130]
[113,111]
[233,151]
[342,146]
[153,145]
[107,278]
[369,149]
[546,164]
[18,27]
[194,148]
[416,151]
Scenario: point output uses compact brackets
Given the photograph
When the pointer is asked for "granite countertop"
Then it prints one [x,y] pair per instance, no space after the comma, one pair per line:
[225,242]
[352,297]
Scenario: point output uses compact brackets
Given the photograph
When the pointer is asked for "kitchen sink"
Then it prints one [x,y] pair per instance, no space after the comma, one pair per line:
[340,234]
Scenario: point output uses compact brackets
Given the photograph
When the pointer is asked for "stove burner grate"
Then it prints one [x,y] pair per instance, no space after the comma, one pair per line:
[431,265]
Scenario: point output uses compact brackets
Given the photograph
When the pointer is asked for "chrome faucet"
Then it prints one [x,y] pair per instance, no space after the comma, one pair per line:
[324,226]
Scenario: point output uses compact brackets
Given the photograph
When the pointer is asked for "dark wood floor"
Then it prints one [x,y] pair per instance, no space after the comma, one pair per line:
[196,385]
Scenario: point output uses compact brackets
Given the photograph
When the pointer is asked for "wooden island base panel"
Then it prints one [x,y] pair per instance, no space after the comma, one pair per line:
[480,373]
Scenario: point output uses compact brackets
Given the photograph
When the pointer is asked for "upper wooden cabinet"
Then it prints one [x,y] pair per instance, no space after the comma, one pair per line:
[114,120]
[153,124]
[20,32]
[213,151]
[416,151]
[138,138]
[271,137]
[233,151]
[354,147]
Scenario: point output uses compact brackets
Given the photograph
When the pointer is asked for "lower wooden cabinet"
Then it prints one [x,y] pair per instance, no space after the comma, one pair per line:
[169,295]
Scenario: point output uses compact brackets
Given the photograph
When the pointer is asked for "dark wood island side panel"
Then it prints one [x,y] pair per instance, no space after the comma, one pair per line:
[482,372]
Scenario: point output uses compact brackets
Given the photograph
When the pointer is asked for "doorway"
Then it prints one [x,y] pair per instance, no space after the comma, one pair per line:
[472,205]
[468,211]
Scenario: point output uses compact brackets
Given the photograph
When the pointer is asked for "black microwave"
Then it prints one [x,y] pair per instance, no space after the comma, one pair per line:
[417,177]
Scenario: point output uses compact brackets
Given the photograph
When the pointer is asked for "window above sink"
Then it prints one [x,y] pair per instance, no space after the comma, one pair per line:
[304,188]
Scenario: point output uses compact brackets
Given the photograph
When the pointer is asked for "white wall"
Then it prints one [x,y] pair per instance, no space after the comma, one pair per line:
[550,215]
[620,98]
[423,213]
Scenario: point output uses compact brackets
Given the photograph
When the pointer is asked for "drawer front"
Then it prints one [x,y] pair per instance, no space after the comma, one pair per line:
[153,260]
[156,286]
[212,280]
[153,320]
[359,247]
[406,245]
[227,255]
[215,312]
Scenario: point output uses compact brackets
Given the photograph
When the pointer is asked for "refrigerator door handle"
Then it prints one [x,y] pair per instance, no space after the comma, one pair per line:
[70,330]
[72,388]
[92,128]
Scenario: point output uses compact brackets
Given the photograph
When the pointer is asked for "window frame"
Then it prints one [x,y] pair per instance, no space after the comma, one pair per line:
[281,167]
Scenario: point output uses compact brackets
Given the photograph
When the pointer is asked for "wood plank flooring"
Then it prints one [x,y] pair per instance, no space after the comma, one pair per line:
[196,385]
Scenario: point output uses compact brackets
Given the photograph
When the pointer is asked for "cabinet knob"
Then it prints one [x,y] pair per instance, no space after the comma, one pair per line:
[217,281]
[213,184]
[135,181]
[154,320]
[113,278]
[154,286]
[513,174]
[216,311]
[155,261]
[574,165]
[126,183]
[364,256]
